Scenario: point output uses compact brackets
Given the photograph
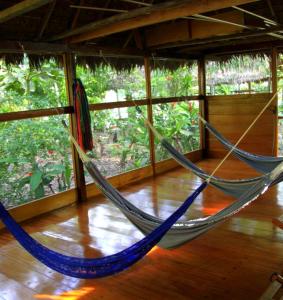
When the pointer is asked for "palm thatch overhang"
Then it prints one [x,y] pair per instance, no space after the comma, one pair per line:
[120,33]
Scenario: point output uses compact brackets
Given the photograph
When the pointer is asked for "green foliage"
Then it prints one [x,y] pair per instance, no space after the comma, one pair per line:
[35,158]
[181,82]
[181,131]
[32,146]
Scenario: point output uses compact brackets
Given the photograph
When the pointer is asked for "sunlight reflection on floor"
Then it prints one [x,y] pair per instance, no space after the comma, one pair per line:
[70,295]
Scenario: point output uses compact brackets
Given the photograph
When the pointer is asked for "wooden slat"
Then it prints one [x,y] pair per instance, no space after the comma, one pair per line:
[146,16]
[225,121]
[20,9]
[20,115]
[131,103]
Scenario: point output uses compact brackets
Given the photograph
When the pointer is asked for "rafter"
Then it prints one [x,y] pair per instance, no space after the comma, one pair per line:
[268,21]
[137,2]
[99,8]
[146,16]
[20,9]
[46,19]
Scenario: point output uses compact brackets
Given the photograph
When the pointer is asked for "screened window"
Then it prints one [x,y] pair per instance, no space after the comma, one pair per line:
[239,75]
[178,123]
[107,85]
[121,141]
[181,82]
[24,88]
[35,160]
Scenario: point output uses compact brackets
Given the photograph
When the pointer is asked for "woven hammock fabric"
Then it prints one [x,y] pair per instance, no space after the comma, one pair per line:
[181,231]
[261,163]
[233,188]
[96,267]
[84,135]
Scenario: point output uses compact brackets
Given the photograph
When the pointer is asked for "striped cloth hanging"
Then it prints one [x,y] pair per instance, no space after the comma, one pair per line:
[84,134]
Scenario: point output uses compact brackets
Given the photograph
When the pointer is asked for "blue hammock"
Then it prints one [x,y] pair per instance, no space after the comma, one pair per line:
[96,267]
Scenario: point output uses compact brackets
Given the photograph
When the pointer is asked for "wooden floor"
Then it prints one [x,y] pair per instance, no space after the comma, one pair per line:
[233,261]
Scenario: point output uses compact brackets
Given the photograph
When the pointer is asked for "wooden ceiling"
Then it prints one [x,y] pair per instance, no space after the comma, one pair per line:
[180,28]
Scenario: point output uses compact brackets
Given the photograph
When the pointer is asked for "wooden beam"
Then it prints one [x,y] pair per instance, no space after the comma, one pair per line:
[20,9]
[274,83]
[41,48]
[59,49]
[46,19]
[146,16]
[69,68]
[202,104]
[76,16]
[99,8]
[28,114]
[147,70]
[140,102]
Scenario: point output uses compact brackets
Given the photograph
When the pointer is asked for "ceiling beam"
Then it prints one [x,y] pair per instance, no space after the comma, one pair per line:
[20,9]
[41,48]
[146,16]
[205,41]
[59,48]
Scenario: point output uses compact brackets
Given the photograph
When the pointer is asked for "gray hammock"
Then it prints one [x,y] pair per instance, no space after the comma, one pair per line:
[181,231]
[233,188]
[261,163]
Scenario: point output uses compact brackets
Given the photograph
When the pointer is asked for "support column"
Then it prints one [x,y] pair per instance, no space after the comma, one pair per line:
[203,105]
[274,65]
[70,71]
[149,111]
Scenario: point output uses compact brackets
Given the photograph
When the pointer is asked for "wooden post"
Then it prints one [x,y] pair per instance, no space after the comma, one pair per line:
[274,64]
[149,111]
[69,69]
[203,104]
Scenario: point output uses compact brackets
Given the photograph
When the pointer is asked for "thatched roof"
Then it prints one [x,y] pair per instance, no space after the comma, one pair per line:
[52,25]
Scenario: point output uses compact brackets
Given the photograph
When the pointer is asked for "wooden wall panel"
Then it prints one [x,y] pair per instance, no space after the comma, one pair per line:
[232,115]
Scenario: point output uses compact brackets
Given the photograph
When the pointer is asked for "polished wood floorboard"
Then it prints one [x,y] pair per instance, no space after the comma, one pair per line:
[232,261]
